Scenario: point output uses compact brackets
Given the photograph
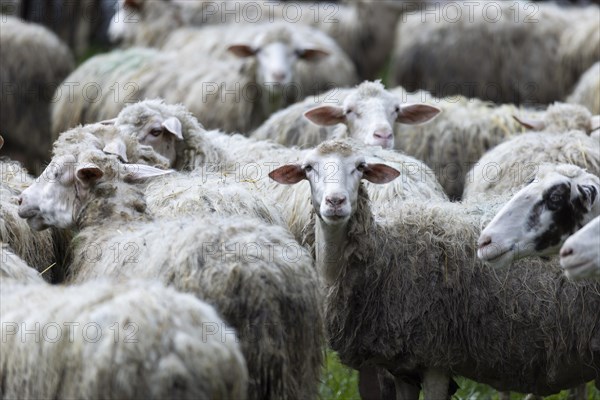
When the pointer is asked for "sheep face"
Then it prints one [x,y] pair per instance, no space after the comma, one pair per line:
[580,255]
[276,60]
[334,173]
[154,130]
[538,219]
[370,118]
[55,196]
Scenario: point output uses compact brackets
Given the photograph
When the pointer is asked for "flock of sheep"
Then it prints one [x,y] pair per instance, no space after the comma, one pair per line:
[232,191]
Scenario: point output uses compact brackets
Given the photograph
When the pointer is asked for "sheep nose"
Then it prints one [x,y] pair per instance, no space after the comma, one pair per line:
[335,200]
[484,240]
[566,251]
[19,200]
[383,134]
[279,76]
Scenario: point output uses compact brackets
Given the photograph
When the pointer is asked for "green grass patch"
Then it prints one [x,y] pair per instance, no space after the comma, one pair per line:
[341,383]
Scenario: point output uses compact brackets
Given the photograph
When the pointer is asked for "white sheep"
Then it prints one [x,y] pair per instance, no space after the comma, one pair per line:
[369,113]
[580,255]
[255,275]
[404,289]
[108,339]
[234,95]
[536,221]
[553,52]
[34,63]
[587,90]
[508,166]
[361,28]
[286,54]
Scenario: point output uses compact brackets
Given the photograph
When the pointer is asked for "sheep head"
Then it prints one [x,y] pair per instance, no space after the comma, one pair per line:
[67,184]
[540,217]
[580,255]
[334,171]
[370,113]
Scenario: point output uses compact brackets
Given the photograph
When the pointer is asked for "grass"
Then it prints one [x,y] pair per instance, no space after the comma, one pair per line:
[341,383]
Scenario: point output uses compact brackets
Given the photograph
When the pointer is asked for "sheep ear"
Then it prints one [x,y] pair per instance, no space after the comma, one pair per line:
[531,124]
[133,4]
[326,115]
[173,125]
[417,113]
[288,174]
[587,195]
[139,172]
[89,174]
[118,148]
[312,54]
[595,123]
[242,50]
[379,173]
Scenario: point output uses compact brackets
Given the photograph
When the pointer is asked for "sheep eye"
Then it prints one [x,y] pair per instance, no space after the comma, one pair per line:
[308,168]
[156,132]
[349,111]
[555,198]
[397,110]
[361,167]
[530,180]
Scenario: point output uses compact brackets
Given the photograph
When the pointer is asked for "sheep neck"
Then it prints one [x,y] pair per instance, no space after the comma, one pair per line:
[330,246]
[112,202]
[335,245]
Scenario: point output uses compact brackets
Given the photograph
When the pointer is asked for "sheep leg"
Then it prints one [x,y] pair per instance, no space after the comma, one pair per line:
[578,393]
[404,390]
[503,395]
[368,383]
[532,396]
[435,384]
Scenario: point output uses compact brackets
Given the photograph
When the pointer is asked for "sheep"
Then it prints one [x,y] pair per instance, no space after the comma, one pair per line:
[580,255]
[236,158]
[255,275]
[105,339]
[241,90]
[560,117]
[405,288]
[587,90]
[508,166]
[322,64]
[536,221]
[34,63]
[361,28]
[552,51]
[368,112]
